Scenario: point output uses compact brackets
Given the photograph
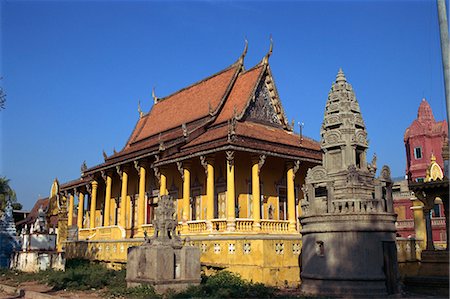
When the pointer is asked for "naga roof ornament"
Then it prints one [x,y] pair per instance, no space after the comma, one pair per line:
[241,58]
[155,98]
[265,60]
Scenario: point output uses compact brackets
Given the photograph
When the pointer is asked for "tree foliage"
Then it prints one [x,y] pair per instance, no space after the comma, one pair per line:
[7,192]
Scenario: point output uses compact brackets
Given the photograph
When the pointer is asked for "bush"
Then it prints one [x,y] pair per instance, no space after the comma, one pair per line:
[80,275]
[225,284]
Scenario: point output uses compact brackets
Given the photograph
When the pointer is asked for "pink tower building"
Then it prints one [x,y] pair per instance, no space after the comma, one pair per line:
[424,137]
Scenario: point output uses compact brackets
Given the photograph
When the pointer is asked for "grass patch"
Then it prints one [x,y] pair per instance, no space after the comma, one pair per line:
[83,275]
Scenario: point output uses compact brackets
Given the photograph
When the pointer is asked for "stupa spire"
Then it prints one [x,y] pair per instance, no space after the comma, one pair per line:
[340,77]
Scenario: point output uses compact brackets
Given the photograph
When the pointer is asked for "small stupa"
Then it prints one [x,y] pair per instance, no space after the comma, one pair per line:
[8,236]
[163,261]
[348,222]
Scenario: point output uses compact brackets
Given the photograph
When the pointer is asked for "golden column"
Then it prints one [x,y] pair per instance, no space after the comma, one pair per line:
[108,180]
[141,199]
[209,191]
[123,196]
[163,183]
[70,213]
[257,163]
[93,204]
[419,222]
[291,196]
[231,216]
[80,210]
[186,177]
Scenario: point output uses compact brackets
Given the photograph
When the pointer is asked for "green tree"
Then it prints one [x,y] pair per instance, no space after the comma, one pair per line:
[7,192]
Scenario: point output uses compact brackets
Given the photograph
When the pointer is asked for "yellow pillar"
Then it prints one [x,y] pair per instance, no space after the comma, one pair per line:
[231,213]
[107,220]
[123,199]
[70,216]
[256,194]
[80,210]
[93,204]
[419,222]
[210,190]
[163,183]
[186,195]
[291,197]
[128,217]
[141,199]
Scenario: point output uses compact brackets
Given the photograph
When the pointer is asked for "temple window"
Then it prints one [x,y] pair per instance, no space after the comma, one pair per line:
[250,200]
[436,211]
[196,204]
[418,153]
[320,191]
[282,203]
[358,157]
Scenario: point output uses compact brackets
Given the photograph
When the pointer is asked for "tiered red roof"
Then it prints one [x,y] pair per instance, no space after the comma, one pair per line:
[197,118]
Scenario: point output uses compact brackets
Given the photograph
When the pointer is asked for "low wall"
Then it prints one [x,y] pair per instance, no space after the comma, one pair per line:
[35,261]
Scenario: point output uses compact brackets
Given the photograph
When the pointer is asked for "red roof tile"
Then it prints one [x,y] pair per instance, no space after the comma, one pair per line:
[240,94]
[186,105]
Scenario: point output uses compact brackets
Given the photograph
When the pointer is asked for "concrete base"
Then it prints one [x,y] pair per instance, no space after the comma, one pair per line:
[434,263]
[35,261]
[163,267]
[347,288]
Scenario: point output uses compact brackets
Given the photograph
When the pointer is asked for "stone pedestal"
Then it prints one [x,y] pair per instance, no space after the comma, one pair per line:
[348,255]
[163,267]
[162,261]
[434,263]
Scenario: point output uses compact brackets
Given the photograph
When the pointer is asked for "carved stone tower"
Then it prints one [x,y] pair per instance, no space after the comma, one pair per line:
[348,224]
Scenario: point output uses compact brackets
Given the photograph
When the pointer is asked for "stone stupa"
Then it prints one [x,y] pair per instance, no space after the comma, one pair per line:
[8,236]
[348,223]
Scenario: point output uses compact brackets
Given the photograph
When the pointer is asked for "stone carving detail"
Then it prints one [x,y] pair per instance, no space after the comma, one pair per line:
[216,248]
[232,129]
[296,248]
[262,108]
[231,248]
[204,163]
[164,224]
[83,167]
[317,173]
[204,247]
[385,173]
[262,160]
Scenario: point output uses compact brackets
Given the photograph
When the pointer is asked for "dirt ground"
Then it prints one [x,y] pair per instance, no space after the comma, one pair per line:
[42,288]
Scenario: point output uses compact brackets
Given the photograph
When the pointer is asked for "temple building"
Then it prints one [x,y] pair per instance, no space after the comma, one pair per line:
[224,150]
[425,141]
[424,138]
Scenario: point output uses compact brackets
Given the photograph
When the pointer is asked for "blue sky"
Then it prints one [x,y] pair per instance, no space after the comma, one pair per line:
[74,71]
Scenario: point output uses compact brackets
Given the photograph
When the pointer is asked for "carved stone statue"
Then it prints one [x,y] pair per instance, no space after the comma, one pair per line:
[164,225]
[40,225]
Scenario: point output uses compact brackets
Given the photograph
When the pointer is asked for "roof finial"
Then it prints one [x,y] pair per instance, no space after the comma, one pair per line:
[266,58]
[241,59]
[155,98]
[340,77]
[105,156]
[140,110]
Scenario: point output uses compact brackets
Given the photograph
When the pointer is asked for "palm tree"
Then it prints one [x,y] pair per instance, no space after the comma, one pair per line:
[7,192]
